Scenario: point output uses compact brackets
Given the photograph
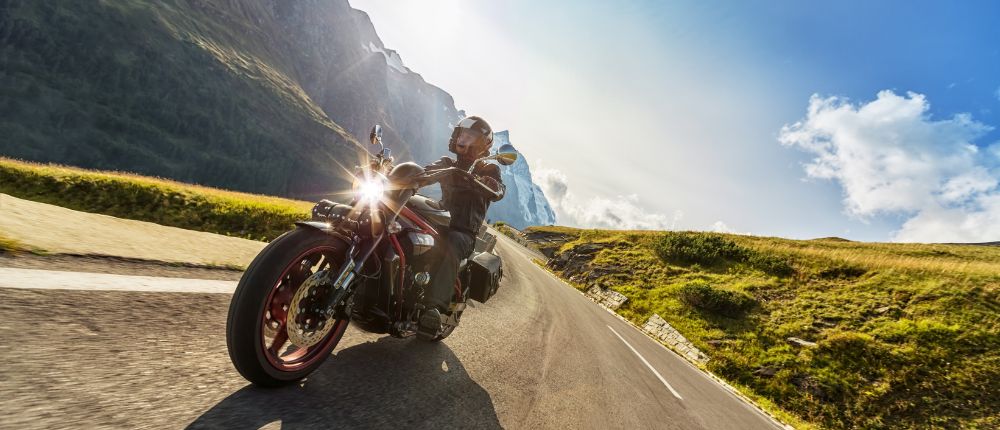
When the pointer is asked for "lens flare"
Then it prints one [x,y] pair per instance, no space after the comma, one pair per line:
[371,190]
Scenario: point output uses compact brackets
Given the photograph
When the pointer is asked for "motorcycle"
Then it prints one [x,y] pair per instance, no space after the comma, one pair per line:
[366,262]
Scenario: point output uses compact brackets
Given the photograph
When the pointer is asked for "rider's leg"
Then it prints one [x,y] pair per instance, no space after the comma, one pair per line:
[457,246]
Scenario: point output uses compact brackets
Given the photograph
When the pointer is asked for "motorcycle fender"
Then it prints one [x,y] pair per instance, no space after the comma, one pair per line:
[324,227]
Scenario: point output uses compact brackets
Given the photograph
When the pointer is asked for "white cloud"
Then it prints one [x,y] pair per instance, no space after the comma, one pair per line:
[621,212]
[967,185]
[890,157]
[721,227]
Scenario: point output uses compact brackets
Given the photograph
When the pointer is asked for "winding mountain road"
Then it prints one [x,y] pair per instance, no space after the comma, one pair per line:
[84,350]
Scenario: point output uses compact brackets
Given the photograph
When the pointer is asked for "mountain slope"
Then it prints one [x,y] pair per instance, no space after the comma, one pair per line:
[358,82]
[238,94]
[159,88]
[264,96]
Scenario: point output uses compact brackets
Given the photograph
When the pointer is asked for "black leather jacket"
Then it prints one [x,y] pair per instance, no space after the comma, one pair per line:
[466,201]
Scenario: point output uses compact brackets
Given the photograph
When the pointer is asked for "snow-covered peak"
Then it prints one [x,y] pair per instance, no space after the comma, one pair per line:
[525,203]
[392,58]
[501,138]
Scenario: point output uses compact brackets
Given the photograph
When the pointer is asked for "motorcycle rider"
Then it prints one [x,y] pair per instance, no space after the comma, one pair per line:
[466,197]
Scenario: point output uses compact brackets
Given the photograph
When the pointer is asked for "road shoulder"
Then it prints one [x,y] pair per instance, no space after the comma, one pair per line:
[58,230]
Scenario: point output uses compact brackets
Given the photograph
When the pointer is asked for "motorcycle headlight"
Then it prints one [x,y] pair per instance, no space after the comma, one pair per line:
[370,189]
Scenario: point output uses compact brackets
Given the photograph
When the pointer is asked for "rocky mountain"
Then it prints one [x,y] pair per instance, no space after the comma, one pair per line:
[525,203]
[266,96]
[358,82]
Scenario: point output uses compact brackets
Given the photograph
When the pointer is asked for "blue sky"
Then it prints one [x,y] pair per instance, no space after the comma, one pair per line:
[673,114]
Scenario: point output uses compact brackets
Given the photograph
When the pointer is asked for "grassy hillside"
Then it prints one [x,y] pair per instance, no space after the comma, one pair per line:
[906,335]
[150,199]
[166,88]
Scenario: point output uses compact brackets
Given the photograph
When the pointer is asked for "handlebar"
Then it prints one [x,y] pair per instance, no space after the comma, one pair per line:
[433,176]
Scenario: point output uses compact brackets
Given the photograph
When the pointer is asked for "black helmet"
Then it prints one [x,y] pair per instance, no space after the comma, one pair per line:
[477,124]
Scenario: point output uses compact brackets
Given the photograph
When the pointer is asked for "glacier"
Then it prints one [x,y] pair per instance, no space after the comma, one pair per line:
[525,204]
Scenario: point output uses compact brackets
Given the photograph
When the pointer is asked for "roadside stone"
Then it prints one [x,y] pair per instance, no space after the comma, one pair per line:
[801,343]
[559,261]
[608,298]
[658,328]
[765,372]
[588,248]
[890,309]
[823,323]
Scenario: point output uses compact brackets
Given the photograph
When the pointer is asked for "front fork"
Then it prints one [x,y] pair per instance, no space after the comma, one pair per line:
[342,284]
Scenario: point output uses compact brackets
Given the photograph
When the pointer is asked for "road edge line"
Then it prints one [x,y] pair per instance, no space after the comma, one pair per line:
[646,362]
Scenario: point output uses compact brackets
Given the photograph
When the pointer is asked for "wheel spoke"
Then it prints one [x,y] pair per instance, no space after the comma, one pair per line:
[293,353]
[282,352]
[279,340]
[298,275]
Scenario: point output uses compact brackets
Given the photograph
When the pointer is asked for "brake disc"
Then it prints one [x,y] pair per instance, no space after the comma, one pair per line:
[306,324]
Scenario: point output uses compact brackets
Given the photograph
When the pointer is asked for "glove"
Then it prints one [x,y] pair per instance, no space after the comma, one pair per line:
[489,181]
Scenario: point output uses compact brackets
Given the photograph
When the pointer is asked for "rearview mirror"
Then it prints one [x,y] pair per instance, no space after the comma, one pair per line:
[506,155]
[376,135]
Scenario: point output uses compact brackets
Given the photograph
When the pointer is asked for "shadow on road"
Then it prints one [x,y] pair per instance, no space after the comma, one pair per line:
[387,383]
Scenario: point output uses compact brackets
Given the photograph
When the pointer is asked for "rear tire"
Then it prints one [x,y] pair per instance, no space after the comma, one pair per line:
[268,273]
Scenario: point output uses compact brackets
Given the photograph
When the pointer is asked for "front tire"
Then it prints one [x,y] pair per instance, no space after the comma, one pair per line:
[256,333]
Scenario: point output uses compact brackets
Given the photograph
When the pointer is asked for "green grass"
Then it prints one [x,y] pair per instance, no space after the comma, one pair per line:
[155,200]
[908,335]
[503,228]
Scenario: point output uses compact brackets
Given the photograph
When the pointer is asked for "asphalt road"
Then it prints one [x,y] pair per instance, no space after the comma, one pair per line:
[538,355]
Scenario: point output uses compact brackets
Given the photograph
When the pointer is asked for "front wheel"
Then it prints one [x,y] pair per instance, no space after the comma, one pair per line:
[257,331]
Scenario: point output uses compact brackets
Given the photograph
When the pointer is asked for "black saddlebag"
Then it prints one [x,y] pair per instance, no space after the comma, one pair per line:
[486,273]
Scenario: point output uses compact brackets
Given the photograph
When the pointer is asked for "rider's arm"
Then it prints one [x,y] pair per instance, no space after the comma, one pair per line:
[490,184]
[443,163]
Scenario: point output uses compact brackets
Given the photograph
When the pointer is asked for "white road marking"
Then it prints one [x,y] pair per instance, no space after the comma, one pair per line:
[58,280]
[664,381]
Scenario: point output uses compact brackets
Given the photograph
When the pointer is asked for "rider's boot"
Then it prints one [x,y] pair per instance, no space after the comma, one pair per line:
[430,324]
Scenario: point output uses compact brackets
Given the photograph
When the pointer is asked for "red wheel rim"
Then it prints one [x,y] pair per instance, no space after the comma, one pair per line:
[282,354]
